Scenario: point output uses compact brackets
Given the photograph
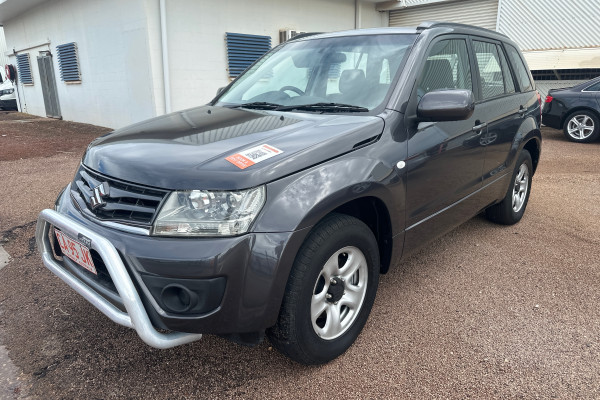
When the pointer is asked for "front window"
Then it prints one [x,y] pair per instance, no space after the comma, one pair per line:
[353,71]
[446,67]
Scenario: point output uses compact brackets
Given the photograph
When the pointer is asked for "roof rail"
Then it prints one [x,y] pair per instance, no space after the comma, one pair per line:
[303,35]
[436,24]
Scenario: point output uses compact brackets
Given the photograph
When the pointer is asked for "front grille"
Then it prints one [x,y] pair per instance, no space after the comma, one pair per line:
[125,202]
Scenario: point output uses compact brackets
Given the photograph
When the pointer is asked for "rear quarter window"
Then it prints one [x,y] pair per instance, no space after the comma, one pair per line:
[521,71]
[594,88]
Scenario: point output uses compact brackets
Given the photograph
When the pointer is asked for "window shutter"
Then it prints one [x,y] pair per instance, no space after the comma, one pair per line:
[243,50]
[68,62]
[24,66]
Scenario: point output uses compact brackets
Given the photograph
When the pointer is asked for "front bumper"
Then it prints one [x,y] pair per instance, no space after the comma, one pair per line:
[254,267]
[135,316]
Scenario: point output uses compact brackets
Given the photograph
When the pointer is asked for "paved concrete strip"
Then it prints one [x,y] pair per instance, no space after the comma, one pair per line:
[4,258]
[8,372]
[8,376]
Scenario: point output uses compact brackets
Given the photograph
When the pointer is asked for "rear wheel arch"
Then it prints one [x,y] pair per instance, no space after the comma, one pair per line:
[533,145]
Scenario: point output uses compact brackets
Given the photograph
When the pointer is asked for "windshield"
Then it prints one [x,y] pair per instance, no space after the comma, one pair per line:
[352,73]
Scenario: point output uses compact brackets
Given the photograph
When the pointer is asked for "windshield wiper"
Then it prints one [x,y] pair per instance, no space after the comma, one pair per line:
[325,107]
[258,105]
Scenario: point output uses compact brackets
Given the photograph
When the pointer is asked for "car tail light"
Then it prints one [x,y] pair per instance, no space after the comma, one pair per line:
[549,99]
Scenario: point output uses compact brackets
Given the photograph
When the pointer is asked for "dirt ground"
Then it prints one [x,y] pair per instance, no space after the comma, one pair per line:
[28,136]
[486,311]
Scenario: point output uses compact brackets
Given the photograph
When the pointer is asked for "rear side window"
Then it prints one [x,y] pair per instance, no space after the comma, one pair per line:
[490,72]
[447,67]
[509,83]
[520,70]
[594,88]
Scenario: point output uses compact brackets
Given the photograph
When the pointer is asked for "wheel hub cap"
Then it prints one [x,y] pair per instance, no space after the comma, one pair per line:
[337,289]
[339,293]
[520,187]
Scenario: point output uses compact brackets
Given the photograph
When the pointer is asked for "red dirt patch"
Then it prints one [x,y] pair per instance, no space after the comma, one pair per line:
[27,136]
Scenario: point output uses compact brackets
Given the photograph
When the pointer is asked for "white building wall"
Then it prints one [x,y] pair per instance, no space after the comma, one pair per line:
[120,51]
[553,35]
[196,31]
[551,24]
[113,49]
[3,57]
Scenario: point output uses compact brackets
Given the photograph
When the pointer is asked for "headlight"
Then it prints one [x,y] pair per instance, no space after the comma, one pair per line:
[6,91]
[208,213]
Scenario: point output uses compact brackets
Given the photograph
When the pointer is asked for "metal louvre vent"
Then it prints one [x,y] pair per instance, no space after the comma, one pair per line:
[24,66]
[125,202]
[243,50]
[68,62]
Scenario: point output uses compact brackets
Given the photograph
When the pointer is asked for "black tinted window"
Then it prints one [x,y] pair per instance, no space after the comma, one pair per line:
[509,83]
[490,73]
[594,88]
[520,70]
[447,67]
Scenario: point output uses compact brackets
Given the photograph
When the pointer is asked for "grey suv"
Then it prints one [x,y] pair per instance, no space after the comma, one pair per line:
[275,208]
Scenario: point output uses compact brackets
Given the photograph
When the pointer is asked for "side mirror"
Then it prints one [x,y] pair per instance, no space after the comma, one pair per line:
[446,105]
[219,90]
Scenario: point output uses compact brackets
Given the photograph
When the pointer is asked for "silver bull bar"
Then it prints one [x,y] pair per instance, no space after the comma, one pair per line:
[136,316]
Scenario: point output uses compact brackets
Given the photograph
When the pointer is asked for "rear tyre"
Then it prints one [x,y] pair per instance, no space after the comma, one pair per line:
[510,210]
[329,293]
[582,126]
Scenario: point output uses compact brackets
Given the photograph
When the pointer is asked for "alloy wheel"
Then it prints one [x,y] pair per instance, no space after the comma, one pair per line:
[520,188]
[580,127]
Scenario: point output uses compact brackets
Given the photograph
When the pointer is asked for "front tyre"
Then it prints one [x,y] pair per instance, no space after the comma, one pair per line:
[329,293]
[510,210]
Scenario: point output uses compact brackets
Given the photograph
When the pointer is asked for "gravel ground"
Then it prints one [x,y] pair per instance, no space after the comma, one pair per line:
[484,312]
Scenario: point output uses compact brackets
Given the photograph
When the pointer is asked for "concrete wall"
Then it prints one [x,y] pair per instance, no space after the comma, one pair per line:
[196,30]
[112,41]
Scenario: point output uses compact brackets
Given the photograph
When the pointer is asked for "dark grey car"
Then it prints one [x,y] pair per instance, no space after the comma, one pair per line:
[275,208]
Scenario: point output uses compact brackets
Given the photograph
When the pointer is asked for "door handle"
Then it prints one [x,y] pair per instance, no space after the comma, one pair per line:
[478,128]
[522,111]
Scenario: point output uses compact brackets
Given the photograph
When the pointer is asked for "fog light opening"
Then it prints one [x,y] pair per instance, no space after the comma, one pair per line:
[178,298]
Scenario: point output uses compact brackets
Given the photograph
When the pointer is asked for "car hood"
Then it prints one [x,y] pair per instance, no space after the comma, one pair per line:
[188,149]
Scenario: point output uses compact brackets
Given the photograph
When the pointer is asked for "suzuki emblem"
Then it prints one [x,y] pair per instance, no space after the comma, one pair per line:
[97,197]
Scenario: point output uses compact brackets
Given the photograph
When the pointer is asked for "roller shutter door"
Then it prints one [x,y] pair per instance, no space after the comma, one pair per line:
[481,13]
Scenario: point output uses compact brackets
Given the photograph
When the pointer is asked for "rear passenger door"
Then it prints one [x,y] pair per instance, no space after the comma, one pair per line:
[506,99]
[499,104]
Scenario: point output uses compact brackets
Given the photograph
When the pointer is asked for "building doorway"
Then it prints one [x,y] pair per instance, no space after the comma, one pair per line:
[49,85]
